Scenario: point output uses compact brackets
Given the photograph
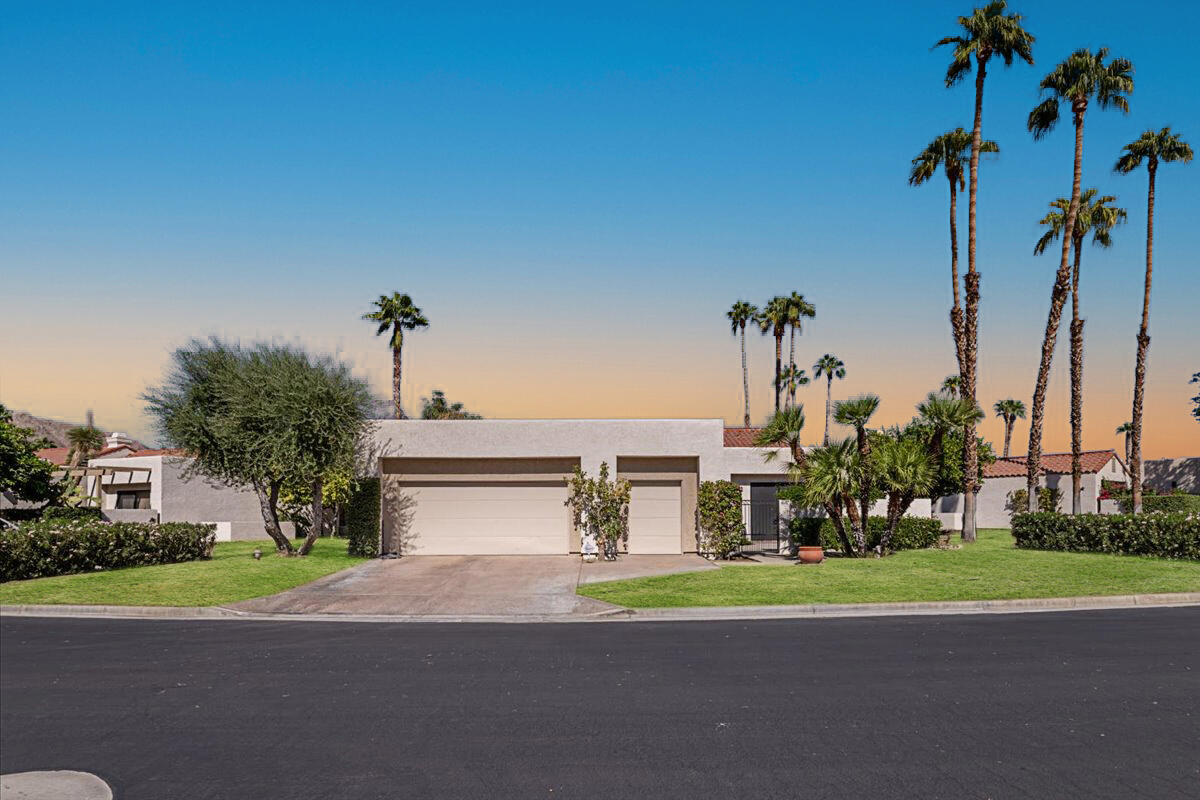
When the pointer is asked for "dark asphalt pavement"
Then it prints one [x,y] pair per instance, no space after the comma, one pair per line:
[1098,704]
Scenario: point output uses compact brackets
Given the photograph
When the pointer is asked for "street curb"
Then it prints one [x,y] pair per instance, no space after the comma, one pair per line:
[1021,606]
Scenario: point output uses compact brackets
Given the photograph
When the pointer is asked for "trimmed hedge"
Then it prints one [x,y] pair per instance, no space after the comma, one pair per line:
[50,547]
[719,506]
[362,519]
[1162,534]
[67,513]
[912,533]
[1182,503]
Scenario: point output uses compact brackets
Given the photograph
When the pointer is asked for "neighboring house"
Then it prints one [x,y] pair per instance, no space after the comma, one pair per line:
[500,486]
[1006,475]
[1171,474]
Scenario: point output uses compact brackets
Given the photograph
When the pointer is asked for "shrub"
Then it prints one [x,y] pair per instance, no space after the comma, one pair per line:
[1048,500]
[722,530]
[1183,503]
[1162,534]
[53,547]
[912,533]
[362,519]
[70,513]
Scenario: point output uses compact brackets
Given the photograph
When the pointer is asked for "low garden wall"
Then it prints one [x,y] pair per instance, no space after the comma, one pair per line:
[48,547]
[1162,534]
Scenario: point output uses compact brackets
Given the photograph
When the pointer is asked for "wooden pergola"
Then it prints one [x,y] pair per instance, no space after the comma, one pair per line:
[93,494]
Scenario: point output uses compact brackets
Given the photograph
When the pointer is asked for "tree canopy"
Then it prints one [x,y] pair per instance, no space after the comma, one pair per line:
[22,473]
[438,407]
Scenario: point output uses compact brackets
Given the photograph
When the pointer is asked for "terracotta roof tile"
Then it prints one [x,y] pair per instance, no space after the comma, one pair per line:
[55,455]
[1053,463]
[740,437]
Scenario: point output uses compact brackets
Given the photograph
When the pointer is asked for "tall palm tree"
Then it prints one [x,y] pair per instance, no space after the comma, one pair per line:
[84,442]
[1126,428]
[739,315]
[952,386]
[829,366]
[1097,216]
[774,319]
[987,32]
[397,314]
[857,412]
[1084,75]
[1010,411]
[1153,147]
[952,152]
[798,309]
[791,379]
[784,430]
[944,412]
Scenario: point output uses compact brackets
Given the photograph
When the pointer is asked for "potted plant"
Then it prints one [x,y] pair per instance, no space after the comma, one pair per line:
[806,535]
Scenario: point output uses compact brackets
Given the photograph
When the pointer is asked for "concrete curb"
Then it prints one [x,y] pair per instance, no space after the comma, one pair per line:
[634,615]
[54,785]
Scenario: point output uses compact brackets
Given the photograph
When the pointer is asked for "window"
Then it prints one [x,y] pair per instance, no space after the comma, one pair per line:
[135,499]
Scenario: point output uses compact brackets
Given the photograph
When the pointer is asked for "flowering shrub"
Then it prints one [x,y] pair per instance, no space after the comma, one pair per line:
[600,506]
[1163,534]
[58,547]
[722,530]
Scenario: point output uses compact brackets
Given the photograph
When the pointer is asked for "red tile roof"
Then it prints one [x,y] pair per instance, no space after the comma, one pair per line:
[166,451]
[1052,463]
[55,455]
[741,437]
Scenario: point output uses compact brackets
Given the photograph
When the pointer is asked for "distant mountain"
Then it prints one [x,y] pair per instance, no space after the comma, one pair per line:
[52,429]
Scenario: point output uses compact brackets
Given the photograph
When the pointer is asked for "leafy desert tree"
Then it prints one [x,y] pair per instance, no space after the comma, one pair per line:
[438,407]
[1010,411]
[1154,148]
[952,152]
[986,33]
[857,412]
[774,319]
[1096,215]
[23,473]
[830,481]
[396,314]
[1083,77]
[739,315]
[798,310]
[829,367]
[268,417]
[1125,429]
[784,430]
[85,441]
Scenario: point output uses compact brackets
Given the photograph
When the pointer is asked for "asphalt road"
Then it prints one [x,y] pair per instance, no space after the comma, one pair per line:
[1102,704]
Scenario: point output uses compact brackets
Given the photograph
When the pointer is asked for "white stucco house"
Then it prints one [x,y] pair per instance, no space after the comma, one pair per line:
[500,486]
[1006,475]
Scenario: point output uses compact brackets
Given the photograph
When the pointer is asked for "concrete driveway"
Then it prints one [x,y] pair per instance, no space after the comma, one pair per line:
[474,586]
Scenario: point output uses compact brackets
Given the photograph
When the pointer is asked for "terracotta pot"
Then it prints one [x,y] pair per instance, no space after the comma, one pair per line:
[810,555]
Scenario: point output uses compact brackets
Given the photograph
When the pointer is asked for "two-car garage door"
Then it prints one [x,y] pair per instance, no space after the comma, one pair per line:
[488,518]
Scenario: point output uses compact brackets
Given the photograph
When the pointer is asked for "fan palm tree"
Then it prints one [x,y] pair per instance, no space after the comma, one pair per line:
[1126,429]
[944,413]
[904,470]
[792,378]
[798,309]
[774,319]
[952,386]
[857,412]
[988,32]
[952,152]
[1097,216]
[830,367]
[1082,77]
[784,430]
[830,481]
[397,314]
[84,442]
[1153,147]
[739,314]
[1010,411]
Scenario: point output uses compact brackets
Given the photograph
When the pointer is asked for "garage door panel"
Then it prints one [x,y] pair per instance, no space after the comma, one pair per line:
[481,518]
[655,511]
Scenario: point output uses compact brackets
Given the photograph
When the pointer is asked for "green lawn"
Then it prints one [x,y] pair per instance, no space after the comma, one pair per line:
[231,575]
[990,569]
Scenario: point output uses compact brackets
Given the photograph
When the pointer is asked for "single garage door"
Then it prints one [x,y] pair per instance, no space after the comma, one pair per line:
[487,518]
[655,511]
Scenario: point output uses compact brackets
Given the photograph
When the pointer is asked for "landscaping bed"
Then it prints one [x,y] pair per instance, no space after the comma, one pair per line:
[991,569]
[230,575]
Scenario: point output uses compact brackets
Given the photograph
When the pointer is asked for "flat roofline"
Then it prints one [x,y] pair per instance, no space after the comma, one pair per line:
[561,419]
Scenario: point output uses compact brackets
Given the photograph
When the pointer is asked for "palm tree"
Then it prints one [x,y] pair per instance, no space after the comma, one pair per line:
[829,366]
[1010,411]
[952,386]
[904,469]
[1153,147]
[1095,215]
[438,407]
[798,309]
[944,412]
[987,32]
[739,314]
[952,152]
[792,378]
[774,319]
[84,441]
[830,481]
[398,314]
[1126,428]
[1082,76]
[784,430]
[857,412]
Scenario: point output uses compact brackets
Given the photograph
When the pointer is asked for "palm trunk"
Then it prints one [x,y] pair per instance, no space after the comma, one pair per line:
[318,518]
[1128,450]
[778,367]
[745,381]
[1008,428]
[396,383]
[956,313]
[268,503]
[857,527]
[970,353]
[1076,387]
[828,407]
[792,368]
[834,510]
[1143,344]
[1062,285]
[864,455]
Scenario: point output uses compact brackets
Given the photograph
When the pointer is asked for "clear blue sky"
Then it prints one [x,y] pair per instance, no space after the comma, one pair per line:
[558,187]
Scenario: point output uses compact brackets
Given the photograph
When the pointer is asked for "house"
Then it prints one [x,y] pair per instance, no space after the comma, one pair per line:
[1006,475]
[1172,474]
[477,487]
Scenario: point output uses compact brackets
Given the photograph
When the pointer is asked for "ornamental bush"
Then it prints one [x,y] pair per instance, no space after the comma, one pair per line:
[362,519]
[912,533]
[69,513]
[1162,534]
[1184,503]
[722,530]
[56,547]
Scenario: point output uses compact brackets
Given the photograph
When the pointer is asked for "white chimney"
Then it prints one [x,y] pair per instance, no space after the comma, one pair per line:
[116,439]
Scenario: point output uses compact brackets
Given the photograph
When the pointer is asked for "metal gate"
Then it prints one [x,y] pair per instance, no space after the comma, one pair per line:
[761,519]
